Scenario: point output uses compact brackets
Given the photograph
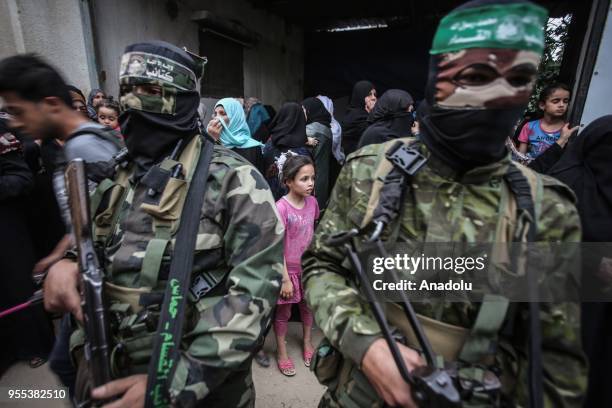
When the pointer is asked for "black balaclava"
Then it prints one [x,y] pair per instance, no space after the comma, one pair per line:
[466,124]
[153,125]
[316,112]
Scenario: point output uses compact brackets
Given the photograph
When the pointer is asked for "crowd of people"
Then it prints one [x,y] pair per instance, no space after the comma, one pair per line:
[278,183]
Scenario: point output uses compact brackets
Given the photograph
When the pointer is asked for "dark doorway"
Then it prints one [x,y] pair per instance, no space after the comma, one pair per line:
[388,57]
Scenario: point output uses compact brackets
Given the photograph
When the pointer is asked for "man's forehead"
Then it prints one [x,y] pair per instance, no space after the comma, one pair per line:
[9,98]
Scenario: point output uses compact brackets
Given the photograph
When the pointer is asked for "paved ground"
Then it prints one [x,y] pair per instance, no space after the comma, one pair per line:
[273,389]
[21,376]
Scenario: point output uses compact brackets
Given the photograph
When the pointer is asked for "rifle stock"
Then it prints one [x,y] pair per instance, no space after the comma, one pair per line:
[92,303]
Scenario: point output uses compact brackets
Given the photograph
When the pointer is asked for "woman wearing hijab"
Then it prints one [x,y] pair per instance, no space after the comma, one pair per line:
[335,128]
[257,119]
[355,121]
[335,165]
[287,134]
[96,96]
[585,168]
[78,100]
[229,126]
[318,126]
[391,118]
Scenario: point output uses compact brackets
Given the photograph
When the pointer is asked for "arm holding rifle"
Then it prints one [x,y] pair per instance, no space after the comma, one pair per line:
[345,318]
[62,283]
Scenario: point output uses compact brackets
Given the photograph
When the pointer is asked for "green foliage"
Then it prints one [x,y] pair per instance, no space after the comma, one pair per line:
[555,39]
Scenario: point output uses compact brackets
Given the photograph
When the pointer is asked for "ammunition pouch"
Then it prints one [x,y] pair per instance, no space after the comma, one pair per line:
[446,339]
[133,329]
[325,364]
[168,206]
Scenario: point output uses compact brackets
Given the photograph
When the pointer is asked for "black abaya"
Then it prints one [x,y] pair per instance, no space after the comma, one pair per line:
[585,168]
[26,333]
[355,120]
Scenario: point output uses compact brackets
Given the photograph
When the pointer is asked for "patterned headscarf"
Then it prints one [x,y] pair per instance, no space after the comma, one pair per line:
[91,111]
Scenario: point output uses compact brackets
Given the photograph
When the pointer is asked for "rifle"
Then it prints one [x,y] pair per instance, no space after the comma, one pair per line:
[430,386]
[92,303]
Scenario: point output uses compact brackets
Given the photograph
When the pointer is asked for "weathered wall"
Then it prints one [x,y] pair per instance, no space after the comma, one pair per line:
[118,23]
[50,28]
[273,70]
[11,38]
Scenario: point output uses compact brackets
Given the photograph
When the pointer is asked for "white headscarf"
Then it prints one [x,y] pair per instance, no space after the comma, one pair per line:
[335,128]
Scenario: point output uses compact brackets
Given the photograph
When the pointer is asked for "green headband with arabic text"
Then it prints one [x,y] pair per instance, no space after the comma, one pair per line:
[517,26]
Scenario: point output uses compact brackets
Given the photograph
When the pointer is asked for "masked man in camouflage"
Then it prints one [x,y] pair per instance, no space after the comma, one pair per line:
[485,55]
[238,252]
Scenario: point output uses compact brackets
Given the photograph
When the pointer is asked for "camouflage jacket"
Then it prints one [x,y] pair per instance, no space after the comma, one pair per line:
[444,208]
[240,240]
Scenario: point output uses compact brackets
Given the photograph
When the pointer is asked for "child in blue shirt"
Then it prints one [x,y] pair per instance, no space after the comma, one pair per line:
[538,135]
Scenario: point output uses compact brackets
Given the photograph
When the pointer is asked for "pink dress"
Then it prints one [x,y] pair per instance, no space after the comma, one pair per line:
[299,228]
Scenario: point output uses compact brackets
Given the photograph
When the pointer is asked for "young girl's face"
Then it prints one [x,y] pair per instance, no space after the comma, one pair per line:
[303,182]
[108,117]
[556,103]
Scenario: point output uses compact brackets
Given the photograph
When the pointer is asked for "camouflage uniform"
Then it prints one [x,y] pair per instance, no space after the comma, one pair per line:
[444,207]
[239,242]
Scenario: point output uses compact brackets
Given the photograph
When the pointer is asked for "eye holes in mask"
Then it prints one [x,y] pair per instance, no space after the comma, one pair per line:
[143,89]
[483,74]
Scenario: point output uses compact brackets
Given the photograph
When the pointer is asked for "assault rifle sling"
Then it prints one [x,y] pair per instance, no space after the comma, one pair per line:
[166,351]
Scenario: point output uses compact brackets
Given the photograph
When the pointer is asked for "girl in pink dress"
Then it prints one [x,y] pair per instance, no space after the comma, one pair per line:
[298,210]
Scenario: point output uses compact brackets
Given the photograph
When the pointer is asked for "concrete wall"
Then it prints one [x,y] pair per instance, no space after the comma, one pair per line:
[51,28]
[273,70]
[118,23]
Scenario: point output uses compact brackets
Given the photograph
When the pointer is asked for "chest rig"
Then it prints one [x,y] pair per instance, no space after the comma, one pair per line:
[135,311]
[468,351]
[166,188]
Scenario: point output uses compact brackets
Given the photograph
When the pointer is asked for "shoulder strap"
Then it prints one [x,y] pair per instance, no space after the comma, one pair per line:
[167,340]
[402,162]
[103,133]
[520,186]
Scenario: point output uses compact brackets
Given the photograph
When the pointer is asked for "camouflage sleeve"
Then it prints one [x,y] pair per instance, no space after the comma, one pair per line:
[231,323]
[564,364]
[344,317]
